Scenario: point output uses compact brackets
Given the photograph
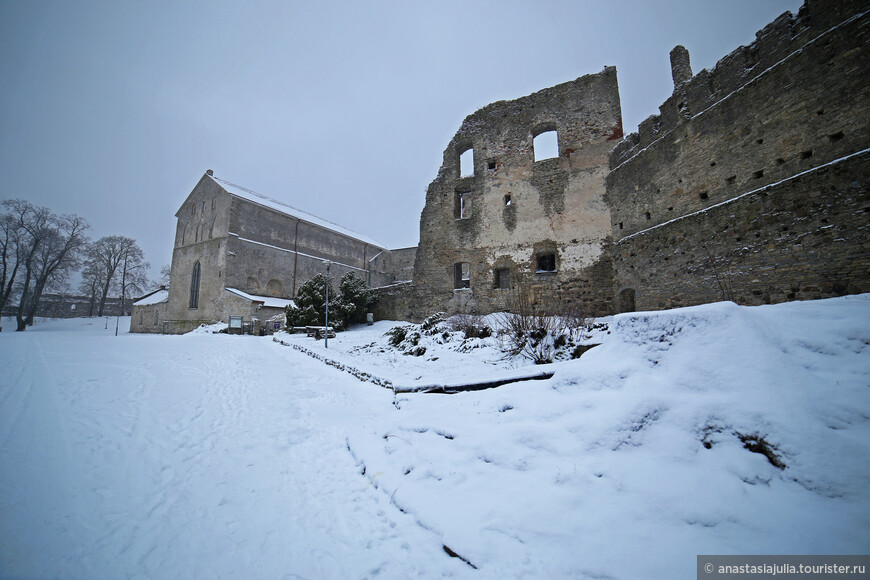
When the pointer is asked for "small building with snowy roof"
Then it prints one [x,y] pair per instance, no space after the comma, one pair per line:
[238,252]
[149,311]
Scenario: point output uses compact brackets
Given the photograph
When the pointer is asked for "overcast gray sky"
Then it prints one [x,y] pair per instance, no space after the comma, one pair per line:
[113,110]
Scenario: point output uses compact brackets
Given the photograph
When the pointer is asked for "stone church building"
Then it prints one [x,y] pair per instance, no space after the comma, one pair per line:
[241,256]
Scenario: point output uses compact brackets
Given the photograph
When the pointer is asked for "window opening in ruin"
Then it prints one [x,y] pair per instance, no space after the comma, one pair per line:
[758,174]
[490,164]
[807,154]
[502,278]
[648,215]
[836,136]
[507,200]
[194,286]
[547,262]
[759,141]
[780,161]
[462,205]
[461,275]
[620,225]
[546,145]
[466,163]
[731,179]
[703,195]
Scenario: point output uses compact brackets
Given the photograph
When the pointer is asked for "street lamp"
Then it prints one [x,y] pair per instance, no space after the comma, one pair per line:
[326,321]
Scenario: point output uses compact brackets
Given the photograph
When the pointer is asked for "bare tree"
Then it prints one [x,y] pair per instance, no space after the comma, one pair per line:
[163,280]
[93,278]
[111,258]
[50,248]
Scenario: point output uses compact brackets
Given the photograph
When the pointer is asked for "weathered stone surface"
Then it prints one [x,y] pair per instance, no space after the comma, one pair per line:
[513,209]
[244,241]
[775,123]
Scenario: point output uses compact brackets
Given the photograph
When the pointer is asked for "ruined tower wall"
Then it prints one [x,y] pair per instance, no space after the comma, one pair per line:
[743,186]
[513,221]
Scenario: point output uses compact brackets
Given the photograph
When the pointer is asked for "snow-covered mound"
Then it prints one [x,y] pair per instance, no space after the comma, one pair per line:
[708,430]
[715,429]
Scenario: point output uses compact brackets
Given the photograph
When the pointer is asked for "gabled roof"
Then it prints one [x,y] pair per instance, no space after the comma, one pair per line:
[281,207]
[267,301]
[155,297]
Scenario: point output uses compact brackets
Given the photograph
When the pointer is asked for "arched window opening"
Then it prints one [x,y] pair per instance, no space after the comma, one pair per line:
[546,145]
[194,286]
[466,163]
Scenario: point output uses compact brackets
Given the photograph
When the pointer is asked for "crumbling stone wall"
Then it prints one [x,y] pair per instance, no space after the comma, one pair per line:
[743,186]
[514,222]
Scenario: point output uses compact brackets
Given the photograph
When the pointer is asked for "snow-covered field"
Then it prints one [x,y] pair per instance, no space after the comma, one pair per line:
[708,430]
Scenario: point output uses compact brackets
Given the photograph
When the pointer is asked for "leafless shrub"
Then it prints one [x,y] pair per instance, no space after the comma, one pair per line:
[471,325]
[536,331]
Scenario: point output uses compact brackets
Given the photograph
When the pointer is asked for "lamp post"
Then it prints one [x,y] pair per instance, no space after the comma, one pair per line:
[326,321]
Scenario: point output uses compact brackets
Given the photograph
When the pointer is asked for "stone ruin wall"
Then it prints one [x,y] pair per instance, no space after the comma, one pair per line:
[743,187]
[515,208]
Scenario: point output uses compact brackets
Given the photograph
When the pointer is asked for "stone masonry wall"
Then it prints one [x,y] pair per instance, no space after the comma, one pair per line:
[512,209]
[786,112]
[805,238]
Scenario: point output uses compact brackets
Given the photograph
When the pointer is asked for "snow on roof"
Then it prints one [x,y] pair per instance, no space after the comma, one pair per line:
[280,206]
[267,301]
[153,298]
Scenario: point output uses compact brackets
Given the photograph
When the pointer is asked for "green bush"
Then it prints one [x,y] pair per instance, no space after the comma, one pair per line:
[349,306]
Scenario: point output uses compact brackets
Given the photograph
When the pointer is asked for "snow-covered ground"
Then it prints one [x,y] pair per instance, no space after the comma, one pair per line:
[708,430]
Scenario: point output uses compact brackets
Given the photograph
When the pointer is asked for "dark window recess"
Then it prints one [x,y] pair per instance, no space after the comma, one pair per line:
[780,161]
[836,136]
[462,275]
[490,164]
[758,174]
[507,200]
[731,179]
[620,225]
[759,141]
[648,215]
[502,278]
[703,195]
[547,262]
[712,164]
[806,154]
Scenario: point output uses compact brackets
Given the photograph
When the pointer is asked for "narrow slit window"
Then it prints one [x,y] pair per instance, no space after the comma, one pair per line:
[466,163]
[502,278]
[194,286]
[546,145]
[461,275]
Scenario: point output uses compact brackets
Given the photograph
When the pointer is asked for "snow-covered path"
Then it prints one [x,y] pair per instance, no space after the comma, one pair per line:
[156,461]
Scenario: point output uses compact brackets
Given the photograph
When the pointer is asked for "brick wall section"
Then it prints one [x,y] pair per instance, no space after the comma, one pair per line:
[790,103]
[520,207]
